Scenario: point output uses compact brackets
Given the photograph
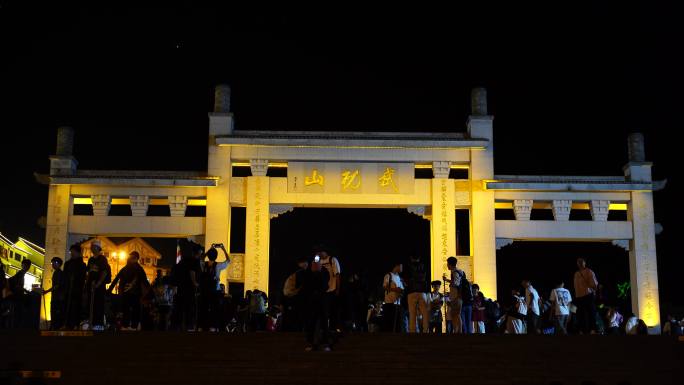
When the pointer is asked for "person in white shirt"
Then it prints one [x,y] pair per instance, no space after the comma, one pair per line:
[391,309]
[532,301]
[516,314]
[560,298]
[631,325]
[331,302]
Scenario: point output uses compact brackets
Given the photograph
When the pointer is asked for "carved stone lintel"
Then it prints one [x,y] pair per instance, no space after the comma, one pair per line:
[421,211]
[275,210]
[101,205]
[177,205]
[561,209]
[522,209]
[503,242]
[599,210]
[440,169]
[259,166]
[139,205]
[624,243]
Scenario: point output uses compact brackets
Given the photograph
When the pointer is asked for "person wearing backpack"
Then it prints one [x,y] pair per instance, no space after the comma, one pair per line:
[132,285]
[293,312]
[467,298]
[99,274]
[533,309]
[515,317]
[560,298]
[257,310]
[455,300]
[417,299]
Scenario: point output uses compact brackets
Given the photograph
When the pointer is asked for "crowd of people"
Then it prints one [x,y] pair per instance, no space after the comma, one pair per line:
[314,299]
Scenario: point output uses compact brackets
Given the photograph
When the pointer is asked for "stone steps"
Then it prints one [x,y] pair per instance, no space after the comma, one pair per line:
[279,358]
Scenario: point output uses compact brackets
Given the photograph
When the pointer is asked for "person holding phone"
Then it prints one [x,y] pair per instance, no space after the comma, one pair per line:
[210,287]
[314,289]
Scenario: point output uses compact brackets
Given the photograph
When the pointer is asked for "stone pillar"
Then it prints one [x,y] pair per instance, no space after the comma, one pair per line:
[222,98]
[217,225]
[63,162]
[643,262]
[56,237]
[257,233]
[443,221]
[483,238]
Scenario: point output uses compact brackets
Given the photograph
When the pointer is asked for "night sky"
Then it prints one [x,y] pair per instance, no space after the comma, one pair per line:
[566,85]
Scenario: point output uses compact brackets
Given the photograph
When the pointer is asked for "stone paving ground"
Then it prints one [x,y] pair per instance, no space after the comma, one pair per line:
[279,358]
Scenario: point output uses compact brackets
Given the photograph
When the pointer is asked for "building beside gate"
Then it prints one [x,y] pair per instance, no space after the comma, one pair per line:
[12,253]
[292,169]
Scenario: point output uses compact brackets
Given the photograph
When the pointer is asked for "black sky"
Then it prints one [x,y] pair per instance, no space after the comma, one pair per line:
[567,83]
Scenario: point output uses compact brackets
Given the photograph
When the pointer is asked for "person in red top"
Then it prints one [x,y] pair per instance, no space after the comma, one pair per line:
[478,310]
[585,283]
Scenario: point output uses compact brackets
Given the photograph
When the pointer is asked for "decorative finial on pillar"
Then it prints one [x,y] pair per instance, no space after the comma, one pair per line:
[636,150]
[65,141]
[478,101]
[222,98]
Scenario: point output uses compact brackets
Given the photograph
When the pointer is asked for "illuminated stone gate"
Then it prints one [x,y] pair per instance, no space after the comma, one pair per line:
[357,170]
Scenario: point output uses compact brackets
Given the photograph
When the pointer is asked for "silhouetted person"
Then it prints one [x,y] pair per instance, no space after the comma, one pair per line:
[417,299]
[314,288]
[164,293]
[257,300]
[210,288]
[585,291]
[186,276]
[4,291]
[157,278]
[672,326]
[641,328]
[19,295]
[132,284]
[332,298]
[58,298]
[455,300]
[293,300]
[74,279]
[99,274]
